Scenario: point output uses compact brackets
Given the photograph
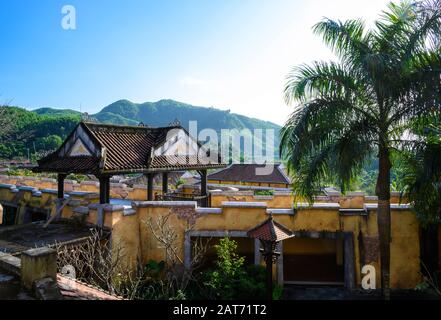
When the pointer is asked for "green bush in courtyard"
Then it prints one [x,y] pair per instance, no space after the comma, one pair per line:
[231,279]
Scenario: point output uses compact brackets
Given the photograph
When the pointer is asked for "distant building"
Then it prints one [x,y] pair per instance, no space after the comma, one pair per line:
[248,174]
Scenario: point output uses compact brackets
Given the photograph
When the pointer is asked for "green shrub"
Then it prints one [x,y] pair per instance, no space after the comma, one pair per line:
[264,192]
[231,279]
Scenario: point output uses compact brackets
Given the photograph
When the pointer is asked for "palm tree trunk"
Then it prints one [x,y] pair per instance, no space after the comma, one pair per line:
[383,218]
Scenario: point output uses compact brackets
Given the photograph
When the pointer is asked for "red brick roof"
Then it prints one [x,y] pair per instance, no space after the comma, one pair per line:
[179,162]
[270,230]
[247,173]
[75,290]
[82,164]
[124,149]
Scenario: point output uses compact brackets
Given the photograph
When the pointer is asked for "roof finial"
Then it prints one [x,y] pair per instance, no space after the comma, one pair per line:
[175,123]
[86,117]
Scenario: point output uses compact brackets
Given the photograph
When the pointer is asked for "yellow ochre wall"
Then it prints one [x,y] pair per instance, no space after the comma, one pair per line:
[404,247]
[130,230]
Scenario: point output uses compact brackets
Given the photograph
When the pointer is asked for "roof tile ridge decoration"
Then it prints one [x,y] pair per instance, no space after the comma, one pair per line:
[59,275]
[54,154]
[90,131]
[115,127]
[102,163]
[279,167]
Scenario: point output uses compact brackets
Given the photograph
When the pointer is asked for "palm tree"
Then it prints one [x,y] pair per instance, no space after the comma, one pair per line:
[421,170]
[351,110]
[420,180]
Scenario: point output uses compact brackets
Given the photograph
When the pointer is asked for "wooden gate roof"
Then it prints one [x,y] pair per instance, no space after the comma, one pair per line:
[94,148]
[270,230]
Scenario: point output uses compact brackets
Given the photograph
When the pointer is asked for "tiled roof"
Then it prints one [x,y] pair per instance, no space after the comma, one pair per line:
[82,164]
[270,230]
[247,173]
[75,290]
[126,149]
[181,163]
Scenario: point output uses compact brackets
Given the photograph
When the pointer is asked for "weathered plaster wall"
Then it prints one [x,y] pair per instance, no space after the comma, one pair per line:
[131,231]
[404,247]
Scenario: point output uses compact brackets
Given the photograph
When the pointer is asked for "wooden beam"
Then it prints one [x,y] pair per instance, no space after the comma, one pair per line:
[164,183]
[204,191]
[349,260]
[150,187]
[104,189]
[60,190]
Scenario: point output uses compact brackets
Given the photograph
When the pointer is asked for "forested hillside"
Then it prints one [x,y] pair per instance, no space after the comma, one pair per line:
[37,132]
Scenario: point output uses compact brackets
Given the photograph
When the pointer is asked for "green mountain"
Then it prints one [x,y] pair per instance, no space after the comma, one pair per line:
[42,130]
[163,112]
[56,112]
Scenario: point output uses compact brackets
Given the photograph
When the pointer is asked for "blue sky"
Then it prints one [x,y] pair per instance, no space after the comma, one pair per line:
[230,54]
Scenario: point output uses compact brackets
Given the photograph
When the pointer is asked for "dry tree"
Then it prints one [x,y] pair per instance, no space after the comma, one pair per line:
[178,274]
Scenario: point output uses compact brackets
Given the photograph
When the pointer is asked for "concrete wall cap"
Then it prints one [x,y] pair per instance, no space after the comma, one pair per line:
[106,207]
[118,185]
[50,191]
[113,208]
[81,210]
[83,194]
[38,252]
[393,206]
[26,188]
[90,183]
[144,204]
[94,206]
[36,194]
[239,204]
[209,210]
[316,205]
[10,263]
[355,194]
[353,212]
[129,212]
[139,186]
[7,186]
[74,203]
[80,193]
[234,193]
[280,211]
[190,186]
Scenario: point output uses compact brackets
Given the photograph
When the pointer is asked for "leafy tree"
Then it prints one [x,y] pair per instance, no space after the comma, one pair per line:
[231,279]
[421,178]
[360,106]
[24,130]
